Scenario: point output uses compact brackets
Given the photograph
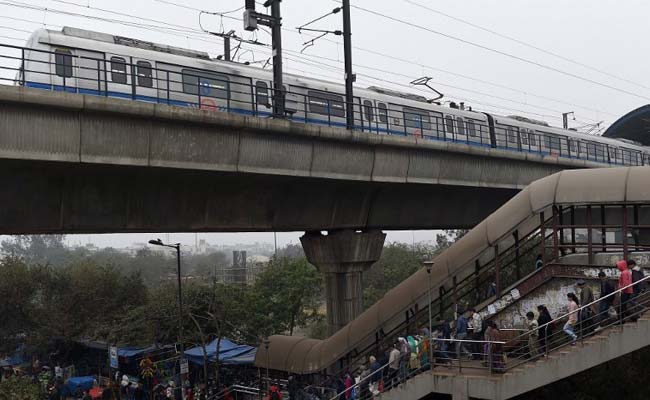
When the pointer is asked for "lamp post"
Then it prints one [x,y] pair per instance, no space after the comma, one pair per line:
[429,265]
[268,358]
[177,246]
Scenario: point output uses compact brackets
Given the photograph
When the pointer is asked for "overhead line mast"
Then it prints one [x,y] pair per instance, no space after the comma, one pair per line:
[274,21]
[349,76]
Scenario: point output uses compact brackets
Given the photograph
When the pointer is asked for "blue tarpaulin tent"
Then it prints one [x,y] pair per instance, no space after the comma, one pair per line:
[11,361]
[229,353]
[79,382]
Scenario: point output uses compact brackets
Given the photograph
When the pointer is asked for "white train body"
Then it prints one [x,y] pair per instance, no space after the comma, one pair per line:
[95,63]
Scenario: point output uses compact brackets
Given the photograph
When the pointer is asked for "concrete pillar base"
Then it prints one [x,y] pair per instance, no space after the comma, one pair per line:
[341,257]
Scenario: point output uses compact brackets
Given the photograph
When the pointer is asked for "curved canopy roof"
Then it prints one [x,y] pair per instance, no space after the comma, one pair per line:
[634,125]
[571,187]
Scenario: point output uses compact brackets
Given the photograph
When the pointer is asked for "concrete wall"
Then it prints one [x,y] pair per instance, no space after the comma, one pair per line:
[338,179]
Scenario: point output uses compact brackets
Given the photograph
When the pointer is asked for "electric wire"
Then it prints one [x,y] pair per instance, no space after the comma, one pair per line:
[521,42]
[187,29]
[500,52]
[419,64]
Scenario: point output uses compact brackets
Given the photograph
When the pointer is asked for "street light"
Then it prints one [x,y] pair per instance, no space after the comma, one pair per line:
[429,266]
[177,246]
[267,342]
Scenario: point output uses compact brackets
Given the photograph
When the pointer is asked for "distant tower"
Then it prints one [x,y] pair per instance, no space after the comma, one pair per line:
[239,266]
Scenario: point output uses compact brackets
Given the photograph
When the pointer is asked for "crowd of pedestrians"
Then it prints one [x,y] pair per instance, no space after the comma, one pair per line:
[584,313]
[469,336]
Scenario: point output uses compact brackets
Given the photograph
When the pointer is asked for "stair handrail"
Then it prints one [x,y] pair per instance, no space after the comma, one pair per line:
[579,309]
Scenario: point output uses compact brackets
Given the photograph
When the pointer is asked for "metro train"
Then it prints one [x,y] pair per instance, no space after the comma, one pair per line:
[87,62]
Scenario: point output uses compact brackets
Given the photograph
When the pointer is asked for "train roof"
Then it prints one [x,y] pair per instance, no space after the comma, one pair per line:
[131,42]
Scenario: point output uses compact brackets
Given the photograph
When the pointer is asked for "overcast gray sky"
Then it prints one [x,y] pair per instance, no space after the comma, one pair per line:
[601,35]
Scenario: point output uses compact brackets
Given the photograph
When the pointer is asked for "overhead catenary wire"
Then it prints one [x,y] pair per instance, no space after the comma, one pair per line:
[410,77]
[182,28]
[521,42]
[187,29]
[500,52]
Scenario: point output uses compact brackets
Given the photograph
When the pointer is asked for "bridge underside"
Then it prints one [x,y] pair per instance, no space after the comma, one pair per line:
[55,197]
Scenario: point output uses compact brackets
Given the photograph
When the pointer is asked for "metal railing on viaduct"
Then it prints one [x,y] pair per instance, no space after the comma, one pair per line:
[84,163]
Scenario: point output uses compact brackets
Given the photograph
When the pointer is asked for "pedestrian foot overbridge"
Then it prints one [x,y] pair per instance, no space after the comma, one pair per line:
[576,220]
[75,163]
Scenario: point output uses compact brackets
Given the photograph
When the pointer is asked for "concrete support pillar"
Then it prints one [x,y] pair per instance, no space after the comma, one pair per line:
[342,256]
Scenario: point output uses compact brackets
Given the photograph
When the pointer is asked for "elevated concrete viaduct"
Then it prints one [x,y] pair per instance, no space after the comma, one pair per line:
[72,163]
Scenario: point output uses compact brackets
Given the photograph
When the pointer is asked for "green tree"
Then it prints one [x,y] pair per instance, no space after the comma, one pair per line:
[20,389]
[398,261]
[206,265]
[37,249]
[286,295]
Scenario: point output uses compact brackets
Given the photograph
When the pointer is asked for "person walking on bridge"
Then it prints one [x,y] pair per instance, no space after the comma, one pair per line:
[393,366]
[533,333]
[569,327]
[461,335]
[627,291]
[586,297]
[606,301]
[545,327]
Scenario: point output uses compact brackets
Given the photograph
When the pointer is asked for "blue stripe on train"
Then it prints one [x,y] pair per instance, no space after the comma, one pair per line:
[151,99]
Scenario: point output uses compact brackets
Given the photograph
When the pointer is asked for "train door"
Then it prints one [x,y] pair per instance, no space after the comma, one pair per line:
[90,72]
[383,124]
[207,90]
[491,130]
[511,138]
[62,66]
[450,128]
[263,106]
[294,103]
[461,130]
[144,82]
[417,122]
[118,79]
[369,116]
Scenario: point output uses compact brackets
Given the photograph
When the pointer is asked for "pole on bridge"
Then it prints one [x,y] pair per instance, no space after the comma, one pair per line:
[349,76]
[273,21]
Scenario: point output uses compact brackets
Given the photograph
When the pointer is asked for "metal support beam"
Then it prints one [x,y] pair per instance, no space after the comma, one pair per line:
[349,76]
[276,30]
[226,48]
[274,21]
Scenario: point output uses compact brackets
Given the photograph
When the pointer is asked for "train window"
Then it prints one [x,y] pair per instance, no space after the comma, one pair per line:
[326,103]
[449,124]
[471,128]
[524,136]
[461,125]
[63,61]
[118,70]
[205,83]
[367,108]
[382,112]
[262,93]
[551,142]
[573,148]
[512,135]
[145,74]
[417,119]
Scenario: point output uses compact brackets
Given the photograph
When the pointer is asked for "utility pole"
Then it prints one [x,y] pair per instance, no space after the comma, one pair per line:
[565,119]
[349,76]
[226,48]
[274,21]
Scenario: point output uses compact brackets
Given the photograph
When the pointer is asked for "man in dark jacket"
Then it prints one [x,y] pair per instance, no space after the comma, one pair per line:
[606,288]
[637,275]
